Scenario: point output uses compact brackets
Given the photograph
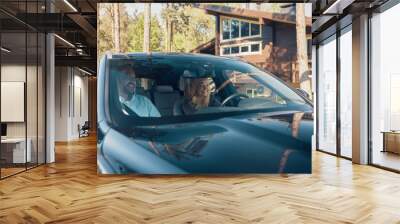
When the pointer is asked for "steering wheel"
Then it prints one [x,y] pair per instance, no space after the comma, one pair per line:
[229,98]
[225,83]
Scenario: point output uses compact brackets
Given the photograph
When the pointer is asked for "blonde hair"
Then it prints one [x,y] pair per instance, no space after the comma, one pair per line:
[191,92]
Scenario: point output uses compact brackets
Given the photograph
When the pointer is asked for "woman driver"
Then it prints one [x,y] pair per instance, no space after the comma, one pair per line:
[196,95]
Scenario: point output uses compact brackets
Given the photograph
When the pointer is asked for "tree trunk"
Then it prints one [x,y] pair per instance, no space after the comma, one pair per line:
[116,27]
[167,48]
[168,29]
[302,59]
[147,24]
[168,39]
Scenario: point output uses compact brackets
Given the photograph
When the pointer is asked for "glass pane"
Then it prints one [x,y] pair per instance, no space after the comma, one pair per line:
[346,94]
[41,99]
[226,50]
[31,98]
[255,29]
[235,28]
[246,85]
[31,89]
[193,96]
[234,50]
[226,30]
[385,84]
[244,49]
[244,29]
[327,96]
[13,73]
[255,47]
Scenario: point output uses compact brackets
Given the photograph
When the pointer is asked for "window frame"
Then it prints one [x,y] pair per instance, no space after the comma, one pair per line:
[228,18]
[116,119]
[240,45]
[250,30]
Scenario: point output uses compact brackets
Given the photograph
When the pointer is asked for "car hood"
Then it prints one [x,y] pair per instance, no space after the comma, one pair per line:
[255,143]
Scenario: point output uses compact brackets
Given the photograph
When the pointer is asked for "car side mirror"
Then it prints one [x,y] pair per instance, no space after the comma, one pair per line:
[304,93]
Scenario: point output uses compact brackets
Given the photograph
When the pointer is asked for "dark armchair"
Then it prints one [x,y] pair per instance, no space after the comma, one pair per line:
[84,129]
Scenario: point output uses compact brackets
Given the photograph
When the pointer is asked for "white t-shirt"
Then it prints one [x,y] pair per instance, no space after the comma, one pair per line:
[141,105]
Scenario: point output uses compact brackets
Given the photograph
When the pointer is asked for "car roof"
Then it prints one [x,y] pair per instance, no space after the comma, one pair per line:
[172,55]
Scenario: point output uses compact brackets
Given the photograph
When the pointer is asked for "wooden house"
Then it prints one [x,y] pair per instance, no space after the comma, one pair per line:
[262,38]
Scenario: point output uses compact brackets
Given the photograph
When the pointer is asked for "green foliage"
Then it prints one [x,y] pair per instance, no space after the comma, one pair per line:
[135,34]
[191,27]
[105,28]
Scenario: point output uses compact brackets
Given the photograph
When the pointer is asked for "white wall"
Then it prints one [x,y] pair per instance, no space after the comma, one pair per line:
[33,126]
[70,83]
[61,103]
[12,73]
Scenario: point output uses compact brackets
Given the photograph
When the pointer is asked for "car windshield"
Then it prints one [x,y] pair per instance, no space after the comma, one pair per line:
[184,86]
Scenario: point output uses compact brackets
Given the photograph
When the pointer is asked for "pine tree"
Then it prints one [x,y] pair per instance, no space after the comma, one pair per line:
[116,27]
[147,27]
[302,59]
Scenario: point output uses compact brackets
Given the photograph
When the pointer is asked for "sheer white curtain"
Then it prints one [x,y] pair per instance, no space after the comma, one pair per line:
[346,93]
[327,96]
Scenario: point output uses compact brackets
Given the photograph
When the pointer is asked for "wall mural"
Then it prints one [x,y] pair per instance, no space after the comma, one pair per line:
[190,88]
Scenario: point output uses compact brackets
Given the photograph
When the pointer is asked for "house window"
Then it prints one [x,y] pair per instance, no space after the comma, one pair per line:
[238,28]
[226,30]
[250,48]
[244,29]
[255,47]
[234,28]
[226,51]
[250,92]
[235,50]
[255,29]
[244,49]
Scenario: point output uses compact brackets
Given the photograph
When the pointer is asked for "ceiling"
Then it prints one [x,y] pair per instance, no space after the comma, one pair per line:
[74,22]
[330,15]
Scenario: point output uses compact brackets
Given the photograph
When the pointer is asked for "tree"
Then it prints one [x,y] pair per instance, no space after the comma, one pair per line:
[186,27]
[136,37]
[116,27]
[104,24]
[105,29]
[168,26]
[147,25]
[301,39]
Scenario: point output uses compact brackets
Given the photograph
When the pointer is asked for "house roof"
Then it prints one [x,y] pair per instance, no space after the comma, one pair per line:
[249,13]
[207,45]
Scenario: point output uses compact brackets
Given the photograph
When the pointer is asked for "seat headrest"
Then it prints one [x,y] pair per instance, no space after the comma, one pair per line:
[164,89]
[181,84]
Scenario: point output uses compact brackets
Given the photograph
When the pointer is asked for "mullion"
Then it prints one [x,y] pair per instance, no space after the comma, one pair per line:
[0,92]
[45,87]
[369,96]
[37,90]
[338,94]
[316,96]
[26,86]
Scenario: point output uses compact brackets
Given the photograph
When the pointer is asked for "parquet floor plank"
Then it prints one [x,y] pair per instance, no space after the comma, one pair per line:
[70,191]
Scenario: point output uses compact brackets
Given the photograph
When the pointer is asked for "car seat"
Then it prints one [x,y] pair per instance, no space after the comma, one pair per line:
[164,99]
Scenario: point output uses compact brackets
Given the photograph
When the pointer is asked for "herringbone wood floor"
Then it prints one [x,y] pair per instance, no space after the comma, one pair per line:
[70,191]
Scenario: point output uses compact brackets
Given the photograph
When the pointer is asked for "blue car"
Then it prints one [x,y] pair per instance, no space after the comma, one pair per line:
[178,113]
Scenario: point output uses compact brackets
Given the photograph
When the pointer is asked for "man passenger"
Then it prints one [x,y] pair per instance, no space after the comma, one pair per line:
[128,95]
